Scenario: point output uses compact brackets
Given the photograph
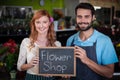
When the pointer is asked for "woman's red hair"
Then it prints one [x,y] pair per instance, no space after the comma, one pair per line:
[34,33]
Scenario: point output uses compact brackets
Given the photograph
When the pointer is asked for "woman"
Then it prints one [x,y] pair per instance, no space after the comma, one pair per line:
[42,35]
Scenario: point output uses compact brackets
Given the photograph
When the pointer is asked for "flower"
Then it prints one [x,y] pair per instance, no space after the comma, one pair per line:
[51,19]
[118,45]
[9,54]
[117,48]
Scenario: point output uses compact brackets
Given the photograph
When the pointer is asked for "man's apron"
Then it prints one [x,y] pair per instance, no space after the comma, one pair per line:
[83,72]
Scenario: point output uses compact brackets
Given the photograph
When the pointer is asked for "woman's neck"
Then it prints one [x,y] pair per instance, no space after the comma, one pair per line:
[42,37]
[42,40]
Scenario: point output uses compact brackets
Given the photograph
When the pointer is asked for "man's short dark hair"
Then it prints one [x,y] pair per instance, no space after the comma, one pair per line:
[85,6]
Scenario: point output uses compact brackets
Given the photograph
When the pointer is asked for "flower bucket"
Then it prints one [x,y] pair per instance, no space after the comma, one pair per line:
[13,74]
[55,25]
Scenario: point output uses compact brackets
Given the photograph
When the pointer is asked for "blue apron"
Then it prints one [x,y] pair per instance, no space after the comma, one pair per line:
[83,72]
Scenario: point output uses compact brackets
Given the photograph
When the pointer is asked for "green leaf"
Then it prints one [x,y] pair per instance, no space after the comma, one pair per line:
[3,50]
[10,60]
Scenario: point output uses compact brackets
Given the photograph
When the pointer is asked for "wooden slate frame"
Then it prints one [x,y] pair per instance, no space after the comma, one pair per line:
[62,58]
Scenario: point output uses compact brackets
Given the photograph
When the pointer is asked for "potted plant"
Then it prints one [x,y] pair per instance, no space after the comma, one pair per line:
[57,15]
[9,55]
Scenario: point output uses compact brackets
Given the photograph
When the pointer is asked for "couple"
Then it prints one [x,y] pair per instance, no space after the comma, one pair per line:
[94,51]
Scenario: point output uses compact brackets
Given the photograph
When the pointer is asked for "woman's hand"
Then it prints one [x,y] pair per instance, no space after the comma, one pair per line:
[34,61]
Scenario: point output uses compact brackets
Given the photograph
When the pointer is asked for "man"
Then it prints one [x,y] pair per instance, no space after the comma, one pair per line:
[94,51]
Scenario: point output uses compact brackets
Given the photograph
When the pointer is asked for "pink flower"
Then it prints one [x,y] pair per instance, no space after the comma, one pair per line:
[9,54]
[51,19]
[11,46]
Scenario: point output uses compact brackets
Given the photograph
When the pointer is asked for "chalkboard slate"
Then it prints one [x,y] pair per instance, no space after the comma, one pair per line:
[57,61]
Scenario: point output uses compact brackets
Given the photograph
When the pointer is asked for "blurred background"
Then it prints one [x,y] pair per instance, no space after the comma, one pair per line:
[15,16]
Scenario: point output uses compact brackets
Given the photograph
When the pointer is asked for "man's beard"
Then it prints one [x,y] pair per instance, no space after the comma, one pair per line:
[84,29]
